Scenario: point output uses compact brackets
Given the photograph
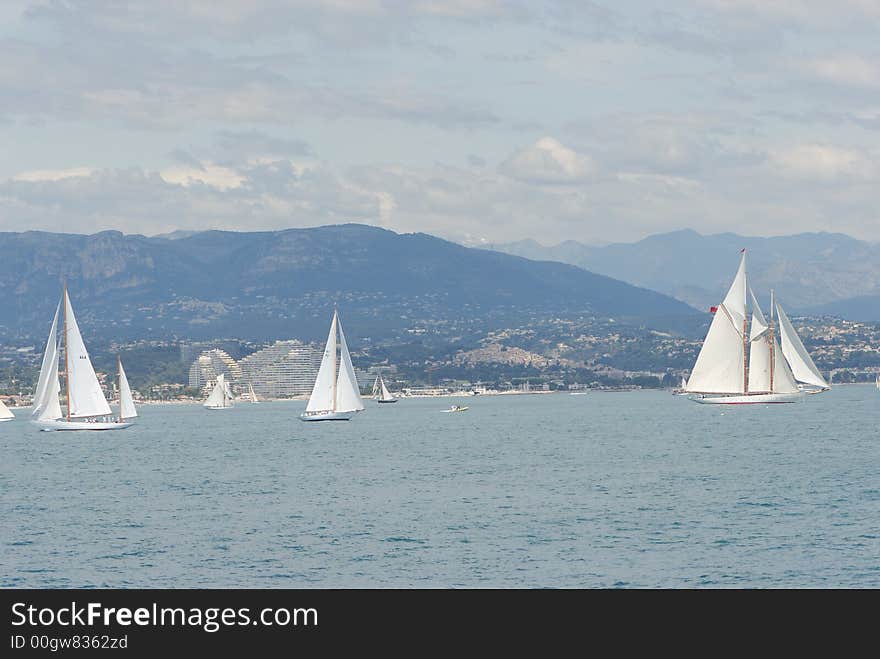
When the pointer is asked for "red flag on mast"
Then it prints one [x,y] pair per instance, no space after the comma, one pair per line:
[713,309]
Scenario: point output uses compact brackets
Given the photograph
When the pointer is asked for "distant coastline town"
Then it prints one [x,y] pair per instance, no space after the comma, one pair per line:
[553,355]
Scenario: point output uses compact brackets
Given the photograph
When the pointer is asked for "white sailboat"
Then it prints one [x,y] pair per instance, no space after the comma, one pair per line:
[738,364]
[380,391]
[127,409]
[220,397]
[335,396]
[682,390]
[5,413]
[878,382]
[252,393]
[87,408]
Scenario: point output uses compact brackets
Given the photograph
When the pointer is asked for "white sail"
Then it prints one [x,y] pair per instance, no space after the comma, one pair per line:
[324,392]
[218,397]
[759,349]
[126,401]
[684,383]
[719,366]
[84,391]
[801,363]
[5,412]
[252,393]
[376,389]
[348,397]
[783,379]
[46,403]
[386,395]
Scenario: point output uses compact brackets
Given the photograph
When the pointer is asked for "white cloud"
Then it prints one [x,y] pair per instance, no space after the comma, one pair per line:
[820,162]
[37,175]
[222,178]
[549,161]
[848,70]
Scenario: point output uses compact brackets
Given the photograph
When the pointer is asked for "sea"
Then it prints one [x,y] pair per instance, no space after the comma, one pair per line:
[636,489]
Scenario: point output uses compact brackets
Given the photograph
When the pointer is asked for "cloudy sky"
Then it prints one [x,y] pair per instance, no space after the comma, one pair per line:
[476,120]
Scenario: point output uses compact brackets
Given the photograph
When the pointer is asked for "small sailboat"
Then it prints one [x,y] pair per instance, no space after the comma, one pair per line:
[380,391]
[878,382]
[741,363]
[682,390]
[87,408]
[335,396]
[5,413]
[252,393]
[220,397]
[127,409]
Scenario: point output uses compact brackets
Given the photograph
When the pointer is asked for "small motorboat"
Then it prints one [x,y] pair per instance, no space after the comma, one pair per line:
[457,408]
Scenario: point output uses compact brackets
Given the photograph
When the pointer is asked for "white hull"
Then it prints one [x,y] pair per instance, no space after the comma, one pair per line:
[8,418]
[749,399]
[327,416]
[218,407]
[60,425]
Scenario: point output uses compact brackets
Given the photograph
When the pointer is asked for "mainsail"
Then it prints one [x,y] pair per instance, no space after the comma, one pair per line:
[5,412]
[720,365]
[324,392]
[801,363]
[84,393]
[126,401]
[385,394]
[759,350]
[46,403]
[252,393]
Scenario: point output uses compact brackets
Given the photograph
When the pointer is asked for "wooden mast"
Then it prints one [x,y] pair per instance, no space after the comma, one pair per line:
[66,352]
[335,324]
[745,335]
[119,378]
[772,343]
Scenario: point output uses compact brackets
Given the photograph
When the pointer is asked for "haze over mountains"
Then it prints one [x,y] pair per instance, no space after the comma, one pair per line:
[275,284]
[815,273]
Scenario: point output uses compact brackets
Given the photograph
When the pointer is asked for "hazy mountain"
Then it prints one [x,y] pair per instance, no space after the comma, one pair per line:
[862,307]
[806,270]
[284,283]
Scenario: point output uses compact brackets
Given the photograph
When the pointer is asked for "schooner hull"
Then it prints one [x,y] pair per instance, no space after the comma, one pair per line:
[328,416]
[61,425]
[745,399]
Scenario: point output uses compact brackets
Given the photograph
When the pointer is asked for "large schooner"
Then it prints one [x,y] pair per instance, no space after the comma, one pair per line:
[744,363]
[86,408]
[220,397]
[335,396]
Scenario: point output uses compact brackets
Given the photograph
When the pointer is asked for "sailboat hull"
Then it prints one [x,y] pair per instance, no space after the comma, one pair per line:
[748,399]
[386,402]
[328,416]
[8,418]
[62,425]
[217,407]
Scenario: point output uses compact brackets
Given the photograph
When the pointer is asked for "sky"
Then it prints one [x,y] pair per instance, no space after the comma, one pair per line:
[481,121]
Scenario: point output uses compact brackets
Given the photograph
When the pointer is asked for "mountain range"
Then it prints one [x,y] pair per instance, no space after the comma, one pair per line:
[275,284]
[812,273]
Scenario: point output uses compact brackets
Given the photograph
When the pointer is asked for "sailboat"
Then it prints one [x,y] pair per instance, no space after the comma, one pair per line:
[220,397]
[380,391]
[5,413]
[335,396]
[878,383]
[87,408]
[682,390]
[252,393]
[741,363]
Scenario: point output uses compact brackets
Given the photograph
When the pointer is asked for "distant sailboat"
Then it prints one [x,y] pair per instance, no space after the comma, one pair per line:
[5,413]
[221,397]
[127,409]
[741,364]
[252,393]
[878,381]
[87,408]
[335,396]
[682,390]
[380,391]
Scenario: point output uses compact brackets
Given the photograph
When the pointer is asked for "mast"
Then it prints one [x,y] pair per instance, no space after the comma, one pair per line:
[119,383]
[772,340]
[745,334]
[335,377]
[66,353]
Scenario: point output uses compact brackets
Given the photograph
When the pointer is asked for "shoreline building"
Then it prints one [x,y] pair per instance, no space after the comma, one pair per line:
[211,363]
[286,368]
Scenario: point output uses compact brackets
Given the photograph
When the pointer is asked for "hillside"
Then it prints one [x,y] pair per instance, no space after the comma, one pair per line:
[806,270]
[284,283]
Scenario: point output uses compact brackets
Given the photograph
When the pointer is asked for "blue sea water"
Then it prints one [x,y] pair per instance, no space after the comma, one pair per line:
[637,489]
